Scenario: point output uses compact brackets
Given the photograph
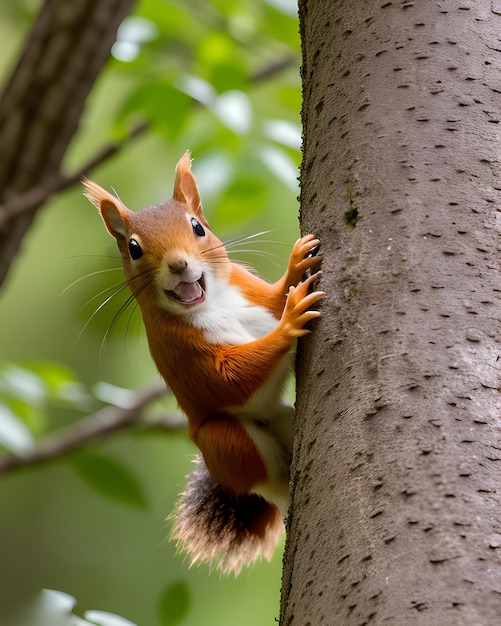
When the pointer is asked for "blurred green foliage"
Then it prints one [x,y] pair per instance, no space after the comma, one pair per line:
[222,79]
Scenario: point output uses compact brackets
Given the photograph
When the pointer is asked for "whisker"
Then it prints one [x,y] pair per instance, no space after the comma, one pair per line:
[123,307]
[232,242]
[92,256]
[216,259]
[235,248]
[271,258]
[220,246]
[115,193]
[103,304]
[274,242]
[263,253]
[133,310]
[78,280]
[132,299]
[276,260]
[118,287]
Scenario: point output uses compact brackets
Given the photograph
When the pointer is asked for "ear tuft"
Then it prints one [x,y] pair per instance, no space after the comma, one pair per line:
[112,210]
[184,163]
[185,186]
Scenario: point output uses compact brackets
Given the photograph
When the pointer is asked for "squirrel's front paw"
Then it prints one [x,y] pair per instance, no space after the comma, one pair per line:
[303,258]
[296,312]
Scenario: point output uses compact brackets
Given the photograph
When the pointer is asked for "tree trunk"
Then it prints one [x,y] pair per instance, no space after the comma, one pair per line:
[396,478]
[42,103]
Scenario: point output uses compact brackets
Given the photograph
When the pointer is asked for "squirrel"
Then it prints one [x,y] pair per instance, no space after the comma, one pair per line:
[221,338]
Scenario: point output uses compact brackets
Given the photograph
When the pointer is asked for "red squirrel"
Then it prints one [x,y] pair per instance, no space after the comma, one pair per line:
[221,338]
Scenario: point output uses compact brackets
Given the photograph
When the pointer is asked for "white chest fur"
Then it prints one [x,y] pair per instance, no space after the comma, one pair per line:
[226,317]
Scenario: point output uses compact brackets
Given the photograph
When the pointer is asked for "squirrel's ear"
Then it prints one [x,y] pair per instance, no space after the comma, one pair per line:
[112,210]
[185,186]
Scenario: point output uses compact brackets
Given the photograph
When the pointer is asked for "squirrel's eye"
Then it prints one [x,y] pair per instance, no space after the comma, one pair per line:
[198,229]
[135,250]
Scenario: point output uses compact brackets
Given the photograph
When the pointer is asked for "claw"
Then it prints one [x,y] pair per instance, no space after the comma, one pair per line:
[312,254]
[297,312]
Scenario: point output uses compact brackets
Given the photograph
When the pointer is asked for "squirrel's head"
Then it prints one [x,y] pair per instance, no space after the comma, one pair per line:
[170,256]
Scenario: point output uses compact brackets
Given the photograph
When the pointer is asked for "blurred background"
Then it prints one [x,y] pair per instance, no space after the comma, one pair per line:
[222,79]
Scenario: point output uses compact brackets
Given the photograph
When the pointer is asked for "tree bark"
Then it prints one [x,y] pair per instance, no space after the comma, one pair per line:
[396,479]
[42,102]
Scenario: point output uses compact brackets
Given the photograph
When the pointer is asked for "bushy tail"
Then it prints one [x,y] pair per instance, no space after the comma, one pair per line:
[221,528]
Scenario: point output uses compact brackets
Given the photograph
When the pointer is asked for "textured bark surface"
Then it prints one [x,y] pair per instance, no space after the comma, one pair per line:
[396,479]
[42,102]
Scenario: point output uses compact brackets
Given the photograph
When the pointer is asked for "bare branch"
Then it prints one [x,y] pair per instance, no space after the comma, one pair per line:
[104,422]
[42,102]
[273,69]
[37,195]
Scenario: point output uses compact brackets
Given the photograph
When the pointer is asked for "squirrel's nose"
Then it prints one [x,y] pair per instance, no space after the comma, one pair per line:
[177,267]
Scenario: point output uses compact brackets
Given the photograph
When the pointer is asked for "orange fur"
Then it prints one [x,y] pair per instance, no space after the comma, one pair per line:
[273,295]
[205,377]
[180,280]
[230,454]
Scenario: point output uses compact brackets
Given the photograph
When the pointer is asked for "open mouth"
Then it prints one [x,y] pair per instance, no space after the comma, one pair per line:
[189,293]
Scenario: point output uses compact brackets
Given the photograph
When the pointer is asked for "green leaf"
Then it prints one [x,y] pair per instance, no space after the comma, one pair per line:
[19,382]
[174,603]
[162,104]
[53,608]
[103,618]
[280,164]
[32,416]
[62,384]
[234,110]
[225,76]
[23,394]
[14,435]
[108,477]
[243,198]
[284,132]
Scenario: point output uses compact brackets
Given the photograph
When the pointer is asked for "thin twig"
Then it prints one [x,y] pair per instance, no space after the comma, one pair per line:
[273,69]
[37,195]
[100,424]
